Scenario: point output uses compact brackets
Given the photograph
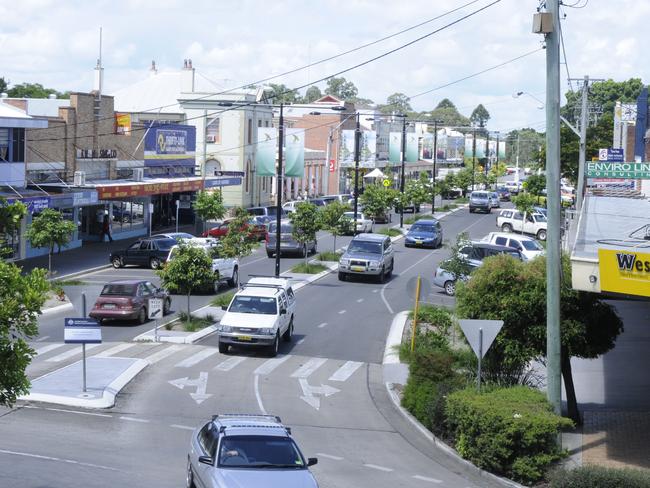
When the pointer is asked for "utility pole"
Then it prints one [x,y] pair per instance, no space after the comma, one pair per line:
[487,152]
[473,155]
[435,158]
[280,185]
[401,184]
[584,120]
[517,164]
[357,155]
[553,256]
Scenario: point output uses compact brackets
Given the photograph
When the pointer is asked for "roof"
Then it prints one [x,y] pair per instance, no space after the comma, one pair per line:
[243,424]
[126,282]
[496,247]
[426,221]
[509,235]
[257,291]
[370,237]
[13,117]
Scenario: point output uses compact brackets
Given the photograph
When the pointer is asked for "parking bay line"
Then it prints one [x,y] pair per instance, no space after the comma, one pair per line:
[115,350]
[168,351]
[308,368]
[379,468]
[268,366]
[60,460]
[230,363]
[345,371]
[424,478]
[329,456]
[196,358]
[184,427]
[71,353]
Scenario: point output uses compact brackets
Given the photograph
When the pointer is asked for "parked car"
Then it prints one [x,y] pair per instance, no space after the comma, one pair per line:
[288,244]
[363,224]
[527,246]
[495,200]
[510,220]
[267,213]
[504,194]
[513,187]
[480,200]
[174,235]
[145,252]
[319,202]
[247,451]
[226,270]
[425,233]
[260,313]
[128,300]
[257,230]
[368,255]
[291,205]
[474,253]
[341,198]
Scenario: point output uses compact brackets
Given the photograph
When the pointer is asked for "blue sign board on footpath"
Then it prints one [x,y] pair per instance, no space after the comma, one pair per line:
[81,331]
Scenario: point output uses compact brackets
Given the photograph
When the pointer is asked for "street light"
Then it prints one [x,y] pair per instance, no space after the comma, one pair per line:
[520,93]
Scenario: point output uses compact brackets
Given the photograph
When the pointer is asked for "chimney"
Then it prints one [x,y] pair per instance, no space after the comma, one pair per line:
[153,68]
[187,77]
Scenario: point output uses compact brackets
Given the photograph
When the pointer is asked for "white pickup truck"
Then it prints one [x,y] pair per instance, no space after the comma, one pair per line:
[510,220]
[226,270]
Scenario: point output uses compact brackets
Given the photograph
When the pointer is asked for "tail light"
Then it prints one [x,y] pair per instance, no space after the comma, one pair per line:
[266,236]
[127,305]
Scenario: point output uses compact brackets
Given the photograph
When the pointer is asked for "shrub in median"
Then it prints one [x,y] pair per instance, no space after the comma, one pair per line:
[508,431]
[600,477]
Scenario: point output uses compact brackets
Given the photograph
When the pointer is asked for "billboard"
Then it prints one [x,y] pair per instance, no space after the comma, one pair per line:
[607,169]
[265,157]
[123,124]
[170,145]
[412,148]
[626,272]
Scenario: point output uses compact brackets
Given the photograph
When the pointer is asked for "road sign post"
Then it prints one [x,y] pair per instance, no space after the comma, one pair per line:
[415,313]
[155,311]
[480,334]
[82,331]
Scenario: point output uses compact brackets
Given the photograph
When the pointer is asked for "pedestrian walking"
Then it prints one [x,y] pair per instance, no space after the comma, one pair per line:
[106,229]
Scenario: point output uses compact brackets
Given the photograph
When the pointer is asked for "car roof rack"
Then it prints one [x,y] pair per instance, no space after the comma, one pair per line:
[270,276]
[247,415]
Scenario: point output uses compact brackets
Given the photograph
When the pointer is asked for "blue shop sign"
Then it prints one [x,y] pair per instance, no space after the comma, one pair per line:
[33,204]
[170,145]
[222,182]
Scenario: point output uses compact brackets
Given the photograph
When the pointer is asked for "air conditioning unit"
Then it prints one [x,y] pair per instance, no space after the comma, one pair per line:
[138,174]
[79,178]
[210,138]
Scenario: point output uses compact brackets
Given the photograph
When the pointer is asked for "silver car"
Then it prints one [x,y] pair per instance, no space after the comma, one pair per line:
[368,255]
[246,450]
[288,244]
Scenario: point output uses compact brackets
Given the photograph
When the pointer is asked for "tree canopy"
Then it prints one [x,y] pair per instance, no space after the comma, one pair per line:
[312,94]
[306,223]
[48,229]
[332,220]
[396,103]
[602,94]
[528,148]
[447,113]
[34,90]
[280,93]
[341,88]
[480,116]
[209,205]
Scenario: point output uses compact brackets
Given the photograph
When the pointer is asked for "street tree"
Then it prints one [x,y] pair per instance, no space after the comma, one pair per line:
[3,85]
[524,203]
[239,241]
[496,171]
[332,220]
[376,200]
[535,185]
[396,103]
[209,206]
[457,263]
[306,222]
[312,94]
[447,112]
[506,289]
[10,217]
[524,145]
[341,88]
[464,179]
[480,116]
[49,229]
[418,191]
[190,270]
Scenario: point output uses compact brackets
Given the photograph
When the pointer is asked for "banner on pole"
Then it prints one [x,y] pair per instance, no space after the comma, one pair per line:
[346,158]
[412,148]
[368,153]
[267,141]
[395,147]
[294,164]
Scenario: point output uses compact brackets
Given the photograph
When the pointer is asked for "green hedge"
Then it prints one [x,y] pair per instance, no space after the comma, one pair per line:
[600,477]
[507,431]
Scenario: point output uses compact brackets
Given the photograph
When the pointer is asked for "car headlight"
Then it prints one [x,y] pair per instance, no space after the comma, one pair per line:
[266,331]
[224,328]
[374,264]
[344,261]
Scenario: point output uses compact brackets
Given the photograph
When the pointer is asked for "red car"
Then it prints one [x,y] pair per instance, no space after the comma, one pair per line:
[257,230]
[128,300]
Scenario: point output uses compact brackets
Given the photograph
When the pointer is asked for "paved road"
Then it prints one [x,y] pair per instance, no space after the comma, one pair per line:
[327,385]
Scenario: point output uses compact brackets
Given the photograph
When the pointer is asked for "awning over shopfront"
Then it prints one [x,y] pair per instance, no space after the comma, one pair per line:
[116,189]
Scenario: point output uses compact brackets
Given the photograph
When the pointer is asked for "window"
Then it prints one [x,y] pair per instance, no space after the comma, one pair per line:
[259,122]
[4,144]
[515,244]
[213,131]
[246,176]
[144,245]
[501,241]
[12,145]
[250,131]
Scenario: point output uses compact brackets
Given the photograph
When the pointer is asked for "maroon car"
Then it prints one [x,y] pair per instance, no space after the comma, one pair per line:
[128,300]
[256,230]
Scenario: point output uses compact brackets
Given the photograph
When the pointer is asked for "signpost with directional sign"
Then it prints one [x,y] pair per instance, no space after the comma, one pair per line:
[155,312]
[480,334]
[82,331]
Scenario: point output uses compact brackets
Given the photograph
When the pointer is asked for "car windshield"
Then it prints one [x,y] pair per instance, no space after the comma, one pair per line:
[479,195]
[350,215]
[284,228]
[261,305]
[166,244]
[114,289]
[258,451]
[532,245]
[423,228]
[365,247]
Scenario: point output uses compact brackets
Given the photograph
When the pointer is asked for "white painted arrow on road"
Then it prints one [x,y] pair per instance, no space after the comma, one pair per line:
[312,394]
[201,383]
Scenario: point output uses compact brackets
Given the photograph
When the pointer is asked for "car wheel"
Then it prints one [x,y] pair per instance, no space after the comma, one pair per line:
[506,228]
[288,334]
[303,252]
[142,316]
[154,263]
[234,281]
[541,235]
[167,305]
[189,476]
[390,271]
[471,210]
[314,250]
[117,262]
[223,348]
[216,285]
[269,254]
[273,348]
[382,275]
[450,288]
[342,276]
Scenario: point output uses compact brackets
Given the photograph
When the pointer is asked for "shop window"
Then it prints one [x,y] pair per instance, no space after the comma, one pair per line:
[213,131]
[128,214]
[4,144]
[263,183]
[250,131]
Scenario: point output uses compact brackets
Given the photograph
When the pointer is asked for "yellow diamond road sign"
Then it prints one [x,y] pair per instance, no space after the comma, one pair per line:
[387,182]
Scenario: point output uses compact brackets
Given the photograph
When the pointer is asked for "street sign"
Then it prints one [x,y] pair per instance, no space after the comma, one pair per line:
[472,330]
[612,155]
[239,174]
[386,182]
[155,310]
[81,331]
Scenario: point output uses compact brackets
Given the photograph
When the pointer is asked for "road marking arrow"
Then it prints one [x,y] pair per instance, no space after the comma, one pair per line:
[312,394]
[201,383]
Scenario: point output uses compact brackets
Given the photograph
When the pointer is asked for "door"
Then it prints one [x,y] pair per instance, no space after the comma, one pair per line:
[207,446]
[131,254]
[283,304]
[141,256]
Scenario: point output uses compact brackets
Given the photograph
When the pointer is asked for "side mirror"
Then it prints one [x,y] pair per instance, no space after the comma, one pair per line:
[224,307]
[312,461]
[205,460]
[283,311]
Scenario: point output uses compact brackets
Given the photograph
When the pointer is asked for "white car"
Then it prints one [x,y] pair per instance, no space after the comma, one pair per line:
[291,205]
[260,313]
[226,270]
[527,246]
[363,224]
[510,220]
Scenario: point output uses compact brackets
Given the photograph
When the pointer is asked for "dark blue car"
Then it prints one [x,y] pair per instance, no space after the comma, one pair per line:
[424,233]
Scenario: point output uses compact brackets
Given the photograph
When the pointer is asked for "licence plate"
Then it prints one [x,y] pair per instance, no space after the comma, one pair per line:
[109,305]
[418,242]
[244,338]
[357,268]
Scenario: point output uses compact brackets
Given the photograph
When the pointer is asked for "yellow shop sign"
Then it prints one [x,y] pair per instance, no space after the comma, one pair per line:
[624,271]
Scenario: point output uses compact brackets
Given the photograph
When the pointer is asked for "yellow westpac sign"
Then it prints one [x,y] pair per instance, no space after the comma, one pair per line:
[624,271]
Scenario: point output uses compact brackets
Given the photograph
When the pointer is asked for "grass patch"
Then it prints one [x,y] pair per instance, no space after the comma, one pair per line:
[328,256]
[57,285]
[191,323]
[462,200]
[222,300]
[308,268]
[415,218]
[390,232]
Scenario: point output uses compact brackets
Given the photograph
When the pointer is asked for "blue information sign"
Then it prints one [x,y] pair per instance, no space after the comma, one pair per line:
[611,155]
[222,182]
[81,331]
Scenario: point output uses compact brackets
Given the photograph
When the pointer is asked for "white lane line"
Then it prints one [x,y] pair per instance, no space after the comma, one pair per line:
[229,363]
[268,366]
[157,356]
[375,291]
[424,478]
[258,397]
[341,312]
[379,468]
[196,358]
[71,353]
[133,419]
[329,456]
[360,300]
[78,412]
[320,326]
[345,371]
[308,368]
[59,460]
[115,350]
[41,339]
[300,341]
[48,348]
[184,427]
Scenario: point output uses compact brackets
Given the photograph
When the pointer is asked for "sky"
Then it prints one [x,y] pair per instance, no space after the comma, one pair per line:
[237,42]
